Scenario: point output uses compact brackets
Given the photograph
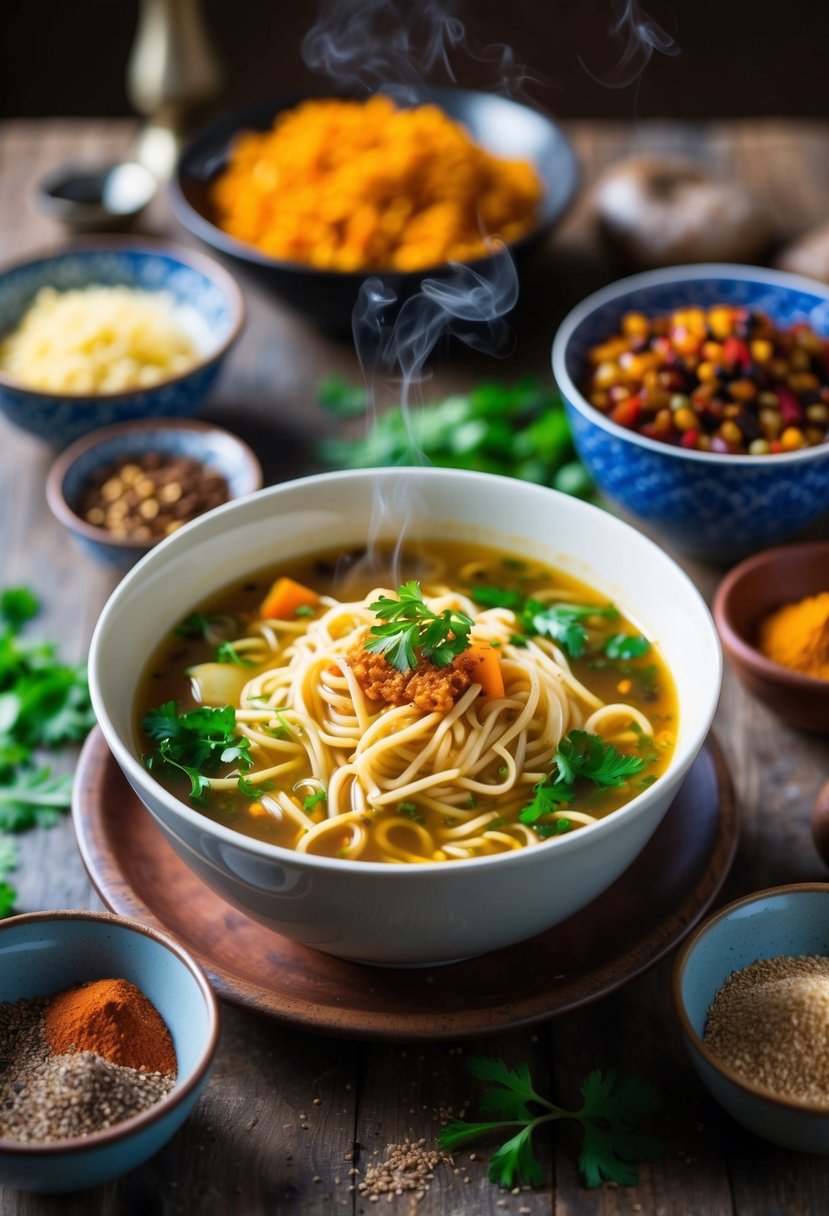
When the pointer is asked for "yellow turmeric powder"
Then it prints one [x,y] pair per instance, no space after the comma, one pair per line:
[362,185]
[797,636]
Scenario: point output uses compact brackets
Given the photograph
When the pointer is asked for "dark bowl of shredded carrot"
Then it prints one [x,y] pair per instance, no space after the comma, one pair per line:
[320,194]
[772,614]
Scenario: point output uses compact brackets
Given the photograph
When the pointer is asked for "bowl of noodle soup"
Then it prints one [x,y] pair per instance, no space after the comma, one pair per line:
[392,810]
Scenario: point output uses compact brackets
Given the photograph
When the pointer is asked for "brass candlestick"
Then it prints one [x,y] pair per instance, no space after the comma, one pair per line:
[172,74]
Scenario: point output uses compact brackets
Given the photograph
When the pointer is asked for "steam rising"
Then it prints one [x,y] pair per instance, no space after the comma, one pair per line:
[399,45]
[639,36]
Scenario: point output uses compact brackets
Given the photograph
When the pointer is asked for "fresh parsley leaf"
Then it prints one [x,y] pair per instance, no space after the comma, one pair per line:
[342,398]
[581,754]
[496,597]
[609,1116]
[33,798]
[412,630]
[227,653]
[626,646]
[8,861]
[563,623]
[196,743]
[314,799]
[18,605]
[518,430]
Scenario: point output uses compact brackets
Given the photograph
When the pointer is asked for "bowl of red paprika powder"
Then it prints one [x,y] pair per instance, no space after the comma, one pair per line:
[108,1031]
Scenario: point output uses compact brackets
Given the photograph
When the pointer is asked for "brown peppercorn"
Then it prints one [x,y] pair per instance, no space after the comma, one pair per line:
[147,497]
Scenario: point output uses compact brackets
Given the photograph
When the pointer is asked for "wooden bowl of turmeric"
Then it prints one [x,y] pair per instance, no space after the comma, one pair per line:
[319,194]
[772,613]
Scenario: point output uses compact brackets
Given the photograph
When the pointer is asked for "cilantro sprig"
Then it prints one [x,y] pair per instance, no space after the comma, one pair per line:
[518,430]
[411,630]
[609,1117]
[579,756]
[44,704]
[196,743]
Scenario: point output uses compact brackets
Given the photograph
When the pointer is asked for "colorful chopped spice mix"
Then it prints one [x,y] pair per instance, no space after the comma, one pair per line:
[724,379]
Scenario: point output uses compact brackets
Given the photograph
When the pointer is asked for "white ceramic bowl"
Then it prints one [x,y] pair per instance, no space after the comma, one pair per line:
[433,912]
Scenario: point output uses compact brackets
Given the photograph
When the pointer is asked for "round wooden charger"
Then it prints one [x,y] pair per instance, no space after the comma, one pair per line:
[622,933]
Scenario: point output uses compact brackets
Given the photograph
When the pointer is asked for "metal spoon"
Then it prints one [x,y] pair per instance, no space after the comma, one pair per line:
[90,198]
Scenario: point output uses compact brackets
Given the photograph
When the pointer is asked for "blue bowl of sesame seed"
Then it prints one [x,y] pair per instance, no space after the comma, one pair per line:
[751,991]
[74,1120]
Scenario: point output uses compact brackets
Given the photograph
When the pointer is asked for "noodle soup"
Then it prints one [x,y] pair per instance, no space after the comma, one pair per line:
[540,709]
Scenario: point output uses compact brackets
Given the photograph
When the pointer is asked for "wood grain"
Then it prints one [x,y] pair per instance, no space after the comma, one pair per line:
[247,1148]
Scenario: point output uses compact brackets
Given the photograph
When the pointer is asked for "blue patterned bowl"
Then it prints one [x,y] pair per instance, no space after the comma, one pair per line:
[46,952]
[791,920]
[211,445]
[211,307]
[714,506]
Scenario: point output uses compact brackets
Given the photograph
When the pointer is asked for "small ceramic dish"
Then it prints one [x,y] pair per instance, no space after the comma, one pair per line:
[712,505]
[94,197]
[782,921]
[213,447]
[207,303]
[746,595]
[503,127]
[44,953]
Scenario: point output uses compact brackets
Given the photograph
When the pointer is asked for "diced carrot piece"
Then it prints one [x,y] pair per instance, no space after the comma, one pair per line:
[285,597]
[487,668]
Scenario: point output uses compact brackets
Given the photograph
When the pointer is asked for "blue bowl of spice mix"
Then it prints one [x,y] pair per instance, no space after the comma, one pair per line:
[751,990]
[109,329]
[698,398]
[108,1031]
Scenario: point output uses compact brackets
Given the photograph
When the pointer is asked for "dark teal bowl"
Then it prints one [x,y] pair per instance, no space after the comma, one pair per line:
[46,952]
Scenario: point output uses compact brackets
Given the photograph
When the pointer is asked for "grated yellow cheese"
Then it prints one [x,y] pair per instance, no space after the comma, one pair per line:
[97,340]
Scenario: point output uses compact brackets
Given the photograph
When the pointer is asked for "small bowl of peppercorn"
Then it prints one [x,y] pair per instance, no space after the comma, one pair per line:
[698,398]
[772,615]
[751,991]
[108,1030]
[123,488]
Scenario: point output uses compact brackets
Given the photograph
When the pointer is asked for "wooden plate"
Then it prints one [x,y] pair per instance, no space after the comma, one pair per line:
[622,933]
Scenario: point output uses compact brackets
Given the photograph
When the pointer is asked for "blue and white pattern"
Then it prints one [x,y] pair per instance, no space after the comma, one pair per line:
[210,309]
[715,506]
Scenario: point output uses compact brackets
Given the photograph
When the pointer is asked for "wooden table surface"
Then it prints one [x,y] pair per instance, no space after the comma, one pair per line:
[288,1113]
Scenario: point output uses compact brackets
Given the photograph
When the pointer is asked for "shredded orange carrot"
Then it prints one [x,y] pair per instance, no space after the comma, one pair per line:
[285,597]
[363,185]
[483,665]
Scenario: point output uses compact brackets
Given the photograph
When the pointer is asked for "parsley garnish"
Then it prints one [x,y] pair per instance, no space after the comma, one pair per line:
[410,811]
[227,653]
[563,623]
[44,703]
[626,646]
[413,630]
[578,755]
[609,1116]
[314,800]
[195,743]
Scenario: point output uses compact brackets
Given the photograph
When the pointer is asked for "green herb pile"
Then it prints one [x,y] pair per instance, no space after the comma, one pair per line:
[518,430]
[612,1144]
[411,629]
[44,704]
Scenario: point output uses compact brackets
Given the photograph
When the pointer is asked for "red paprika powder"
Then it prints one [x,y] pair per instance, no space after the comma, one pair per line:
[114,1019]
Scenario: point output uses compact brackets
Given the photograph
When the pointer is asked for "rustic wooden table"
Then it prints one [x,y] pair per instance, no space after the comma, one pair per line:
[288,1114]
